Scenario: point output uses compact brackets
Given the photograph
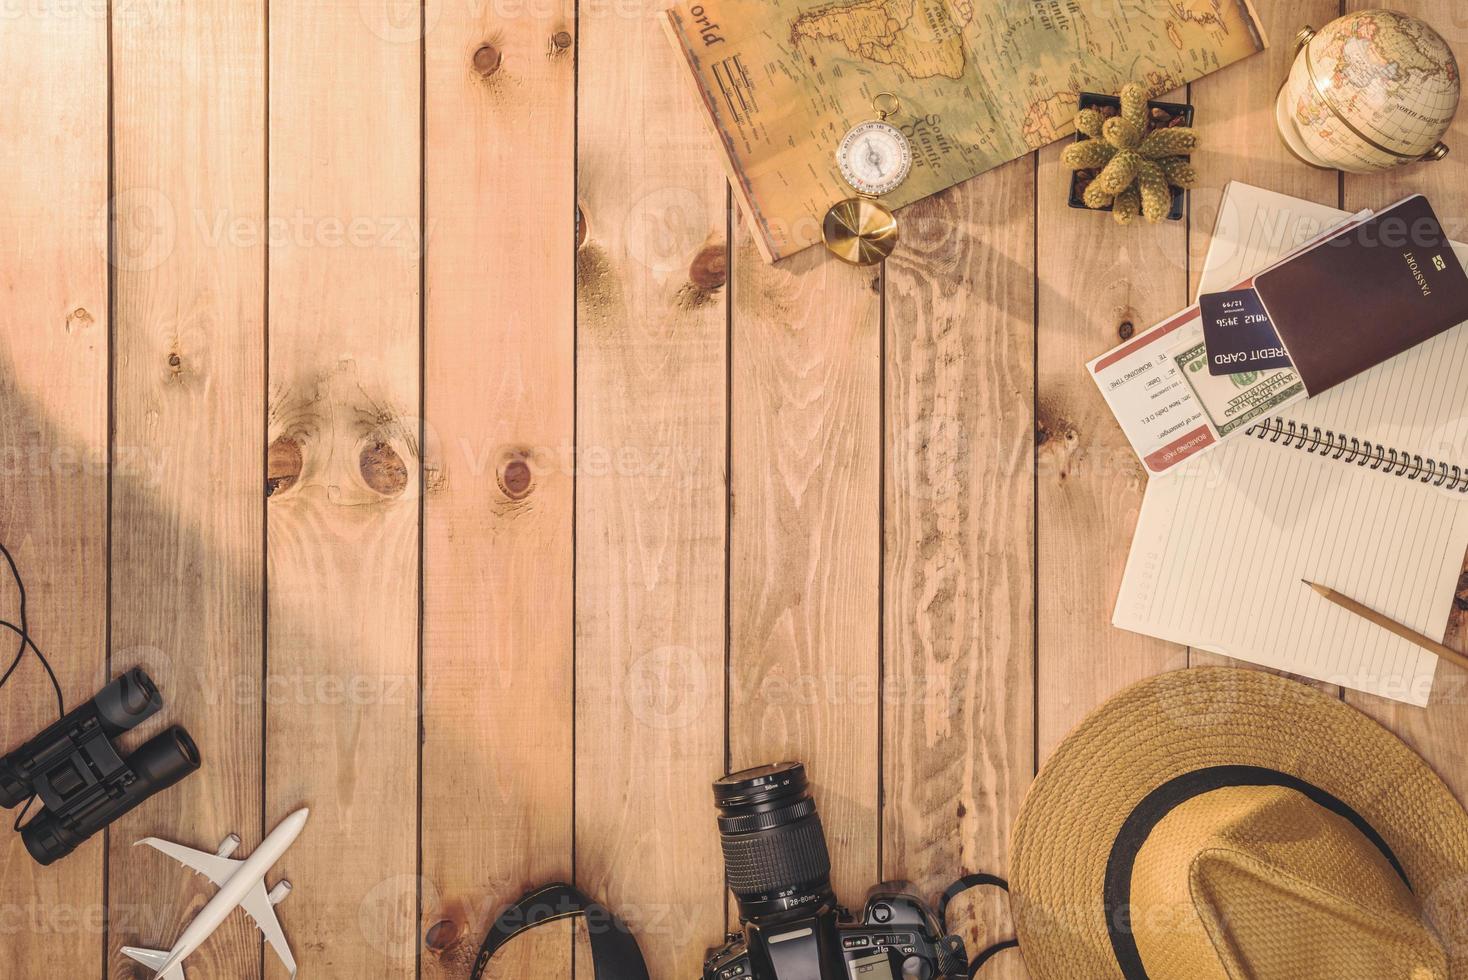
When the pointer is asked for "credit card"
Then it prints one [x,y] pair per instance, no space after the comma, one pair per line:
[1238,334]
[1232,401]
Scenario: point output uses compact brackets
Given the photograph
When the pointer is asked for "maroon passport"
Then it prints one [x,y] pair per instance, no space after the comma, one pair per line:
[1364,296]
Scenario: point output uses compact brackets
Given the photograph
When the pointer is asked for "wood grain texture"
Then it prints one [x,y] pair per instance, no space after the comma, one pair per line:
[500,395]
[805,538]
[1234,117]
[1438,732]
[189,400]
[924,552]
[958,679]
[343,514]
[1096,281]
[53,437]
[650,491]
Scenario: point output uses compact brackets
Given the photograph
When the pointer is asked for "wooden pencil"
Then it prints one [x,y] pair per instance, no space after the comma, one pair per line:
[1351,605]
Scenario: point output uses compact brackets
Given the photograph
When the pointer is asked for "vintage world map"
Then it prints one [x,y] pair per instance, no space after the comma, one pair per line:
[979,82]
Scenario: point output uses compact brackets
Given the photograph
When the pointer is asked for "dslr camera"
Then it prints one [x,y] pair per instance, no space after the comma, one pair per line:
[777,866]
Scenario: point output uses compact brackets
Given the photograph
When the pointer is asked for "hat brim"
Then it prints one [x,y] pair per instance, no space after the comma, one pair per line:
[1189,720]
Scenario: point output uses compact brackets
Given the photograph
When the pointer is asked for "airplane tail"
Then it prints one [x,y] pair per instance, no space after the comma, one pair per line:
[154,959]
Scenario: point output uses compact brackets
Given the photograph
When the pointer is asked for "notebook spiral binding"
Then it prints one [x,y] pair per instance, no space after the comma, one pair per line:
[1324,442]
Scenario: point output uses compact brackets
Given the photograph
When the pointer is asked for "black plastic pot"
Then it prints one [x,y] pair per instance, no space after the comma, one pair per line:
[1094,100]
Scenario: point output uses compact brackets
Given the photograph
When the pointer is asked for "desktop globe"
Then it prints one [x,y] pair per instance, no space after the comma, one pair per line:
[1370,91]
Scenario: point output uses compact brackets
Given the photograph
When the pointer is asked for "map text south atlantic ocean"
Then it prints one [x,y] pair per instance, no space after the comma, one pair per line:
[978,83]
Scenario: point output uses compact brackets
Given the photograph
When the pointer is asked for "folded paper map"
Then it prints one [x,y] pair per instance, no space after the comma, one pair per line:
[979,83]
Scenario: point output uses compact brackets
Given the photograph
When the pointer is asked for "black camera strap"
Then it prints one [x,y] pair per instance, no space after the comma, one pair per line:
[966,883]
[615,954]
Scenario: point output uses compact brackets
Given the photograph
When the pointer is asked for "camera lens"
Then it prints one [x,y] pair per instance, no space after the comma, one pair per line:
[775,857]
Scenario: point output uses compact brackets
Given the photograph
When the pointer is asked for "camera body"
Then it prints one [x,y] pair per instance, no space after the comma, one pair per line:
[897,938]
[75,770]
[778,868]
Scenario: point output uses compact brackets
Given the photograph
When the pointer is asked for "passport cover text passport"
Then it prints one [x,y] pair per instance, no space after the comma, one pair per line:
[1366,295]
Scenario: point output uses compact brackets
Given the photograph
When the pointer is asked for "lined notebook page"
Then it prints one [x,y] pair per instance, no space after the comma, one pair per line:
[1223,542]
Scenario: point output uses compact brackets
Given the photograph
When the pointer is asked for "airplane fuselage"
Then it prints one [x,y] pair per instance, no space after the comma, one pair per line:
[232,893]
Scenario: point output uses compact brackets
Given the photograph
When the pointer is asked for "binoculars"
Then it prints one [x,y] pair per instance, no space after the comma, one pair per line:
[75,770]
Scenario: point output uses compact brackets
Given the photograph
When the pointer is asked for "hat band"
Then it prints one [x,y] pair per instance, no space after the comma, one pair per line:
[1163,800]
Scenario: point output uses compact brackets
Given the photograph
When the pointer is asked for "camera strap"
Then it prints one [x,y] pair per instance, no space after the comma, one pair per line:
[966,883]
[615,954]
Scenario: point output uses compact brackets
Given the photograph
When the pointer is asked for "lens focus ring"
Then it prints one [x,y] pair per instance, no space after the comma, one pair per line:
[774,860]
[752,822]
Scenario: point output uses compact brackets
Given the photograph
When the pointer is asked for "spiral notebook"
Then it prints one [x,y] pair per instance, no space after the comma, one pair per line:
[1363,488]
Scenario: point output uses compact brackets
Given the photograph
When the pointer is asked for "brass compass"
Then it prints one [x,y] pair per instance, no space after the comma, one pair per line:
[874,158]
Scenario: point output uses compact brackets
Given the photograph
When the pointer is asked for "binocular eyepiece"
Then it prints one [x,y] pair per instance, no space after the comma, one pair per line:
[75,770]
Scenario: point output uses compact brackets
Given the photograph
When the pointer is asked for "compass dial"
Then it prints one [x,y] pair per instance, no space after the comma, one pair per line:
[874,157]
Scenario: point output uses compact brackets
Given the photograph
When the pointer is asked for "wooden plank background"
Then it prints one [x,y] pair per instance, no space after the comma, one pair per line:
[396,382]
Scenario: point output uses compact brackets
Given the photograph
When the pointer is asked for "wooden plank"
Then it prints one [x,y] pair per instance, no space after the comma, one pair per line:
[1439,731]
[189,394]
[343,512]
[650,501]
[1097,282]
[499,387]
[805,537]
[1235,108]
[53,435]
[958,746]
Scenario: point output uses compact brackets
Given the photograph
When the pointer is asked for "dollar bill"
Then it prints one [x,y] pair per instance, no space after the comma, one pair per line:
[1232,401]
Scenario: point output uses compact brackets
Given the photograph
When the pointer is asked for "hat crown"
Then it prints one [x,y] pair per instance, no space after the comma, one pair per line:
[1262,881]
[1173,739]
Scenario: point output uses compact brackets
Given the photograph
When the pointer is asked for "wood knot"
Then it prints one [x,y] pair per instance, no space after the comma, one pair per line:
[580,226]
[174,361]
[487,59]
[710,267]
[561,40]
[515,478]
[383,469]
[78,319]
[282,465]
[1126,330]
[443,935]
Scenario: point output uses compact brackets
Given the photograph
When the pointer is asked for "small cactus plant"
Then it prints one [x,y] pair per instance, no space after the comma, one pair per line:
[1136,158]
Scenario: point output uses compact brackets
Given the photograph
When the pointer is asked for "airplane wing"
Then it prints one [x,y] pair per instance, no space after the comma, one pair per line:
[153,959]
[258,906]
[217,869]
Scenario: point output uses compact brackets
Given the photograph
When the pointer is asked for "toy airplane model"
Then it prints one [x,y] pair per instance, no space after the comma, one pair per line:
[241,884]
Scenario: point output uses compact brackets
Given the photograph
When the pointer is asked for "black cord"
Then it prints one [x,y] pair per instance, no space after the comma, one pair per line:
[23,631]
[55,684]
[23,811]
[966,883]
[990,953]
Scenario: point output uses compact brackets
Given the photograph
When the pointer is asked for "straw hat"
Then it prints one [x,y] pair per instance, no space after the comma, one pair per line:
[1221,824]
